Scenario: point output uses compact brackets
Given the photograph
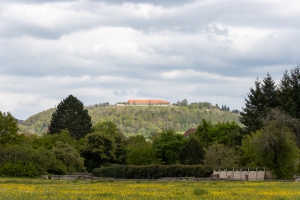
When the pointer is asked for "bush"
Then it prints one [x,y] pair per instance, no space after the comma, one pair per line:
[152,171]
[18,169]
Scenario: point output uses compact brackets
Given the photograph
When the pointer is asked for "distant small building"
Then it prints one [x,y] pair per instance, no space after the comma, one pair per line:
[135,102]
[120,104]
[188,132]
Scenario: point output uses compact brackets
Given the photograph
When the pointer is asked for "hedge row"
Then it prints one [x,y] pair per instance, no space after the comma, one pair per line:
[18,169]
[152,171]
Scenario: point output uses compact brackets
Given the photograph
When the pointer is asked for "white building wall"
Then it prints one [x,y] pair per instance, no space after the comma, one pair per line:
[242,175]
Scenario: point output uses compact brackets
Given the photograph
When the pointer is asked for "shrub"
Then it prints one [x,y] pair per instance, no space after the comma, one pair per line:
[152,171]
[18,169]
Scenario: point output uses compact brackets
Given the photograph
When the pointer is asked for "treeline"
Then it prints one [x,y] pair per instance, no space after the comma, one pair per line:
[269,138]
[142,120]
[271,119]
[72,144]
[104,148]
[148,120]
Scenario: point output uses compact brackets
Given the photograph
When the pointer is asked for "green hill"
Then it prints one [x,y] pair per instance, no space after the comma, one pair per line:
[142,119]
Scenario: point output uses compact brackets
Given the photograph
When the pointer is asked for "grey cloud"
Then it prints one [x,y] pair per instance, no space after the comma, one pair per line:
[109,51]
[15,29]
[156,2]
[192,17]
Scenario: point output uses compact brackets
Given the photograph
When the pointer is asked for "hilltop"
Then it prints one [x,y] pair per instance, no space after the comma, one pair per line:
[142,119]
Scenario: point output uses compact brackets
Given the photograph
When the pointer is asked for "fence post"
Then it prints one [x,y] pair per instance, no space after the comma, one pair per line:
[256,175]
[248,172]
[241,174]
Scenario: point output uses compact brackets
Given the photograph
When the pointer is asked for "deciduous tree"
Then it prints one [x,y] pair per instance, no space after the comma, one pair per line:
[99,150]
[8,128]
[168,146]
[274,146]
[192,153]
[221,156]
[69,156]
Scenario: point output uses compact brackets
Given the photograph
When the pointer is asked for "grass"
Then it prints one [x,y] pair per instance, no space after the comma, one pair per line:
[15,189]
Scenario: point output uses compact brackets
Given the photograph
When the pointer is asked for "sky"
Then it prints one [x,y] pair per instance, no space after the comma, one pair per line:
[116,50]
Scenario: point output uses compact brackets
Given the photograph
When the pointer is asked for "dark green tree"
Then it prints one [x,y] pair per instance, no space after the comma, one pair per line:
[71,115]
[69,156]
[277,149]
[8,128]
[143,154]
[295,82]
[139,151]
[192,153]
[285,94]
[167,146]
[111,129]
[99,150]
[203,133]
[251,115]
[270,94]
[274,146]
[227,133]
[290,92]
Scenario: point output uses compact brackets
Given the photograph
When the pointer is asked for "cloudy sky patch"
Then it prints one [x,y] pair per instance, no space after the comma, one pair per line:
[112,51]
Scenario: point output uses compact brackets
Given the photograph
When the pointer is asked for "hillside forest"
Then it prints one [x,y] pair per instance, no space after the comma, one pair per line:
[102,139]
[140,120]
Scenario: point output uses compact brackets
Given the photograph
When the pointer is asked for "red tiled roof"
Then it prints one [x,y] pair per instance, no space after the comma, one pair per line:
[147,101]
[190,131]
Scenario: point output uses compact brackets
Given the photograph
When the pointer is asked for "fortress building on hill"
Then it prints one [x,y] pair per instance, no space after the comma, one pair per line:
[145,102]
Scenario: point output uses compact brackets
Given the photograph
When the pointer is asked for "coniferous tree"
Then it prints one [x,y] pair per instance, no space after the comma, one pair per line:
[285,95]
[295,91]
[71,115]
[270,99]
[289,92]
[251,114]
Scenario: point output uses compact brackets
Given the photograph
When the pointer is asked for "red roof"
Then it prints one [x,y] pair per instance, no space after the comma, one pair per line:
[147,101]
[190,131]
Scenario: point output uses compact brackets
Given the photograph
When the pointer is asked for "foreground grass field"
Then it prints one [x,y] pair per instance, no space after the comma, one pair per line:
[82,189]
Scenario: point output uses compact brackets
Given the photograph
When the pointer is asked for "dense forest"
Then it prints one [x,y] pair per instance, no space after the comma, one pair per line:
[142,120]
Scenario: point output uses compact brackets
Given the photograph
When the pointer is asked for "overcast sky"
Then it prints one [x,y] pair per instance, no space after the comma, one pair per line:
[110,51]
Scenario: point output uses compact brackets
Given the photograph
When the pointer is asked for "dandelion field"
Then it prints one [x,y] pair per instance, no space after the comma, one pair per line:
[13,188]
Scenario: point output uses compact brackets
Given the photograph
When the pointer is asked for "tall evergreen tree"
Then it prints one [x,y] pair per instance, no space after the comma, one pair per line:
[285,95]
[295,93]
[289,92]
[270,99]
[71,115]
[251,113]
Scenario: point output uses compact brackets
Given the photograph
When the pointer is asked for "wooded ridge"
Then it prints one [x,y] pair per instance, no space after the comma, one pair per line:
[145,120]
